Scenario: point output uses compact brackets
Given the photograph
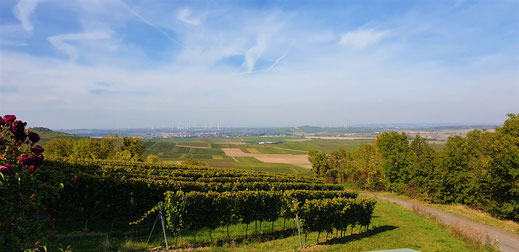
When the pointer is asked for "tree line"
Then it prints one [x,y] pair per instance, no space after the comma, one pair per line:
[480,170]
[111,147]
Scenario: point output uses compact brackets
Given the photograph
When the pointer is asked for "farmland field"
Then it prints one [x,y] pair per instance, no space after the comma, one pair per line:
[287,155]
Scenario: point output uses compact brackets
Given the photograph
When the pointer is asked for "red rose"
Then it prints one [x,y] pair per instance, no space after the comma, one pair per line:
[18,129]
[44,186]
[33,137]
[38,160]
[2,122]
[33,168]
[6,169]
[9,118]
[26,160]
[37,150]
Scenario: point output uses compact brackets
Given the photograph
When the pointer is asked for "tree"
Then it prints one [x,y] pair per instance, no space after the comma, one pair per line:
[320,165]
[81,148]
[338,161]
[124,155]
[366,167]
[59,147]
[193,162]
[504,174]
[109,146]
[394,148]
[134,146]
[422,161]
[152,159]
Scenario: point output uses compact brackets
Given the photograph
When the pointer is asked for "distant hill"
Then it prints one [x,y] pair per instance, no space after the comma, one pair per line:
[47,134]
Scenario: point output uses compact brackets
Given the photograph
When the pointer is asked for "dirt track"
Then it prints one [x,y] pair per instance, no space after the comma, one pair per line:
[508,242]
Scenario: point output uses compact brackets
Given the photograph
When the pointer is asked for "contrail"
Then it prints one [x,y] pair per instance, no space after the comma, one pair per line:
[271,66]
[154,26]
[278,60]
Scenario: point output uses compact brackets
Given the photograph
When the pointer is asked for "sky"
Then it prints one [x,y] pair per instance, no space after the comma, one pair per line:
[68,64]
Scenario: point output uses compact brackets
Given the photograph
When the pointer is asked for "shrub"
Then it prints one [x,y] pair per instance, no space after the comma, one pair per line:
[25,197]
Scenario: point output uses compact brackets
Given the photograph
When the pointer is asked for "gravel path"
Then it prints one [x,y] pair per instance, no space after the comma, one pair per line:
[508,242]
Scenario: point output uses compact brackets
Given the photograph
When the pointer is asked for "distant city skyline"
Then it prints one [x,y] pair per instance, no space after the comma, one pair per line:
[134,64]
[163,127]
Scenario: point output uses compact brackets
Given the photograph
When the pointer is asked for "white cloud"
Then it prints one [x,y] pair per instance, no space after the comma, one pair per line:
[62,94]
[184,15]
[60,42]
[363,38]
[254,54]
[23,11]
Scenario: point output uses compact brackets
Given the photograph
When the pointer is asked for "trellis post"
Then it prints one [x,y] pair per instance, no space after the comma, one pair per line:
[299,232]
[163,225]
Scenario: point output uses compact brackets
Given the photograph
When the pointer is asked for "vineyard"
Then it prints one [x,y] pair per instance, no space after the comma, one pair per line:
[45,204]
[201,198]
[197,210]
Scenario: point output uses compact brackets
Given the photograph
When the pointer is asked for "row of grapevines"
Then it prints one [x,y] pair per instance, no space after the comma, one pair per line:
[296,198]
[112,190]
[325,215]
[161,172]
[196,210]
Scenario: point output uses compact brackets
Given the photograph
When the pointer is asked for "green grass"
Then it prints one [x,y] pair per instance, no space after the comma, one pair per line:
[392,227]
[325,145]
[161,147]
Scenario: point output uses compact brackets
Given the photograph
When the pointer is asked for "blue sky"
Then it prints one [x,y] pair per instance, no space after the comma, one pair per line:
[111,63]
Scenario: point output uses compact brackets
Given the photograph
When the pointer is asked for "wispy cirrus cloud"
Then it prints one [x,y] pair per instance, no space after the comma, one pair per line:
[103,91]
[364,38]
[185,16]
[61,42]
[254,53]
[23,12]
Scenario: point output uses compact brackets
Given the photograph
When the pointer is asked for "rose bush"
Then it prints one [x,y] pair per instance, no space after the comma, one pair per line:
[25,198]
